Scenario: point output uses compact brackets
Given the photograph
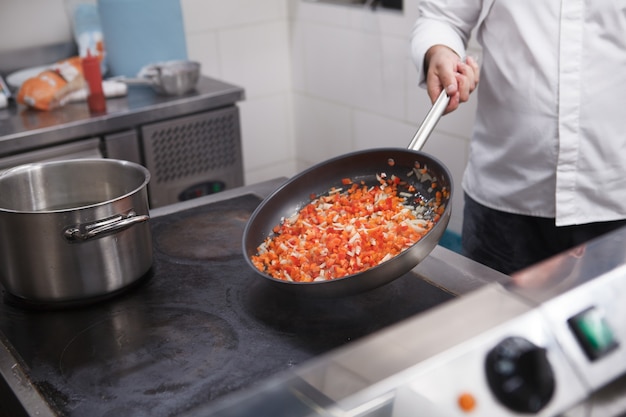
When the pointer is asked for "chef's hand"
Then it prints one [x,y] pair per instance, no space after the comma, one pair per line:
[444,69]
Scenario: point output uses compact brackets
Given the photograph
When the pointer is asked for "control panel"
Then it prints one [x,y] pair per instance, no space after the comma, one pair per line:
[517,368]
[543,362]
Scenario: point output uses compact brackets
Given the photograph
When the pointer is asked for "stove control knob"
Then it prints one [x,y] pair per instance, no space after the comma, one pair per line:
[520,375]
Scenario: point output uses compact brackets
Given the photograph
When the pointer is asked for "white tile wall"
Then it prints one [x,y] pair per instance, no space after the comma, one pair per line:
[374,130]
[24,24]
[204,48]
[266,130]
[379,82]
[257,57]
[323,128]
[246,42]
[202,15]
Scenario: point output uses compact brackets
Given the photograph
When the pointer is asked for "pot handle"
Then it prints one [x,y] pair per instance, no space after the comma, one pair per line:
[80,233]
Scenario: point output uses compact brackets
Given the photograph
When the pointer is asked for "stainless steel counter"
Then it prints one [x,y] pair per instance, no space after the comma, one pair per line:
[23,129]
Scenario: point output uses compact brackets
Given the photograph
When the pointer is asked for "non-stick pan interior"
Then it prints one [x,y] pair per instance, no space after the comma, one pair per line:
[358,166]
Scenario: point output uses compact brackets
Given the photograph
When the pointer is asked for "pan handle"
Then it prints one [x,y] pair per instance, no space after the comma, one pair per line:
[80,233]
[430,121]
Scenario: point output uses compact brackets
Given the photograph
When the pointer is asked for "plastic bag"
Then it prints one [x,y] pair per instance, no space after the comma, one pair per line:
[52,87]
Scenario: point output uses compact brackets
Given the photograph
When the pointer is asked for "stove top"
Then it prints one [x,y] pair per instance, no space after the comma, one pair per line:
[201,325]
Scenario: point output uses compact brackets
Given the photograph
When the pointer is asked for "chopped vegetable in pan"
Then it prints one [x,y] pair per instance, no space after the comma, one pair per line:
[349,230]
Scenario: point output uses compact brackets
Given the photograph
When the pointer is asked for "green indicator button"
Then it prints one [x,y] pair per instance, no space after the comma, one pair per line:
[593,333]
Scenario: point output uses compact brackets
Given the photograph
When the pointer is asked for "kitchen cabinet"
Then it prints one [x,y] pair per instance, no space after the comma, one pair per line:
[191,144]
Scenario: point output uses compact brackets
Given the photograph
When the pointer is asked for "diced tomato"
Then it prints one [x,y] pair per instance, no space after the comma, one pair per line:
[345,232]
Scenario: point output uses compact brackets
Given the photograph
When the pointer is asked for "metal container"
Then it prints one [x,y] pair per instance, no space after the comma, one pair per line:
[171,78]
[174,77]
[73,230]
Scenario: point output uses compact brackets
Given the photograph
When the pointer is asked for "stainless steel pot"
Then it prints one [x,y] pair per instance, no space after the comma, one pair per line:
[73,230]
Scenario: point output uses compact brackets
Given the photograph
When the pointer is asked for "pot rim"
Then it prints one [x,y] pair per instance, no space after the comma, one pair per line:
[18,170]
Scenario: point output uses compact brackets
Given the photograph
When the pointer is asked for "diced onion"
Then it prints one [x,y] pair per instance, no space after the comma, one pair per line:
[348,231]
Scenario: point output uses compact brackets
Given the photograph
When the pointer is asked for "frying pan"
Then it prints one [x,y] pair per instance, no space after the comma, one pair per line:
[290,197]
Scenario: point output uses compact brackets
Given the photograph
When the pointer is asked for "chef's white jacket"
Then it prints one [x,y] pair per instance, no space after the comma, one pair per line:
[550,132]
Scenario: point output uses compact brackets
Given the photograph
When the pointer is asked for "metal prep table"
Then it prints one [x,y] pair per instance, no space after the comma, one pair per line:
[201,128]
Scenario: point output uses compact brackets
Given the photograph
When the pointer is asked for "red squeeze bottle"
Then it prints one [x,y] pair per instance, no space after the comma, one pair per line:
[93,76]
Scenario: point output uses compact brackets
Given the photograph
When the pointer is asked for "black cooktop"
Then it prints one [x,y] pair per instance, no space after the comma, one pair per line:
[200,325]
